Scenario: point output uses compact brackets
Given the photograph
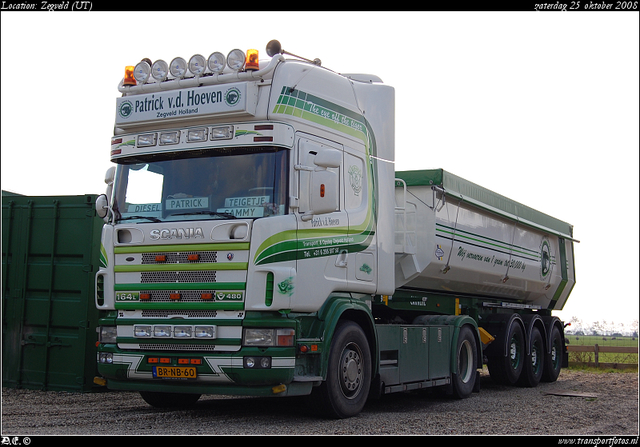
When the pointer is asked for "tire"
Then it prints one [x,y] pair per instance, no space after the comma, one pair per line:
[169,400]
[344,393]
[506,369]
[553,358]
[534,362]
[464,378]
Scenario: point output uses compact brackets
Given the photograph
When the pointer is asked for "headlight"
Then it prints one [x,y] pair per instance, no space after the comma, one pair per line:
[108,334]
[268,337]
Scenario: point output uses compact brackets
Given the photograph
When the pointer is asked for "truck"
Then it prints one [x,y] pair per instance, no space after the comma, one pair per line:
[258,241]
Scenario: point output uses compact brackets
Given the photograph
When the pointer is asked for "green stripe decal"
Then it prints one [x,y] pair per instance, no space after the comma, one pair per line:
[291,245]
[182,267]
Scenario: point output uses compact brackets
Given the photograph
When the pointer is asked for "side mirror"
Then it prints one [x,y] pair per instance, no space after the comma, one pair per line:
[328,158]
[102,206]
[102,202]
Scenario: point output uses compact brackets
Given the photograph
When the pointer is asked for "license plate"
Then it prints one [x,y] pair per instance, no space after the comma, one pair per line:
[174,372]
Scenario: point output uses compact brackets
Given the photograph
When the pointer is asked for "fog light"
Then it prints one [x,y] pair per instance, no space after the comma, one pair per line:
[257,362]
[105,357]
[182,331]
[205,331]
[162,331]
[142,331]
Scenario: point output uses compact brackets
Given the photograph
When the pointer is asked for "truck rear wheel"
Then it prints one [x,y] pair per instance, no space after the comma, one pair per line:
[534,361]
[169,400]
[464,378]
[345,391]
[553,358]
[506,369]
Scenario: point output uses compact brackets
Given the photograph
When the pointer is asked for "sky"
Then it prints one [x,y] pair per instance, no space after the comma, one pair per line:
[541,107]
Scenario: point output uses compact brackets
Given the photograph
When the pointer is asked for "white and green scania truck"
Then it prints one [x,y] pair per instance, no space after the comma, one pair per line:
[259,241]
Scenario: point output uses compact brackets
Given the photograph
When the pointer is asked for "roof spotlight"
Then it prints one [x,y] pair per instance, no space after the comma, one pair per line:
[216,62]
[235,60]
[159,70]
[178,67]
[197,64]
[142,71]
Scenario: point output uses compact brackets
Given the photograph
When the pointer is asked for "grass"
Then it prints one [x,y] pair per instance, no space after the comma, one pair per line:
[603,357]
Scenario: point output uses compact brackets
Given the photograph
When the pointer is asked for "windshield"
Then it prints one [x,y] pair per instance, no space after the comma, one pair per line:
[212,185]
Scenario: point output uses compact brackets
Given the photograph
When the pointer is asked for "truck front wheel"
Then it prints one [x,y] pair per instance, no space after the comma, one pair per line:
[345,391]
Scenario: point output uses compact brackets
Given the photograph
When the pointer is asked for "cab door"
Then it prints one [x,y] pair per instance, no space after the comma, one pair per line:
[322,233]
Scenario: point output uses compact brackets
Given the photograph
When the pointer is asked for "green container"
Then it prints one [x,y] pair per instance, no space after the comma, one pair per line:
[50,254]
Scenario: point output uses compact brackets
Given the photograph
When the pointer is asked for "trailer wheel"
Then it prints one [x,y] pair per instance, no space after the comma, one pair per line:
[534,362]
[169,400]
[346,388]
[464,377]
[553,358]
[506,369]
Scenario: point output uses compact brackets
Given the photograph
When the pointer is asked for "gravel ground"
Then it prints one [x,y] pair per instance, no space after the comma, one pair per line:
[607,405]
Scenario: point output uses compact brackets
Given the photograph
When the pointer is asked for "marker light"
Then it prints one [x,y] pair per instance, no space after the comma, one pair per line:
[128,76]
[142,71]
[222,133]
[159,70]
[195,135]
[216,62]
[169,138]
[197,64]
[178,67]
[148,139]
[236,60]
[252,63]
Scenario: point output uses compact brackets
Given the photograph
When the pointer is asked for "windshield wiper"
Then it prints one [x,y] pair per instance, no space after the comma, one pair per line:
[151,218]
[210,213]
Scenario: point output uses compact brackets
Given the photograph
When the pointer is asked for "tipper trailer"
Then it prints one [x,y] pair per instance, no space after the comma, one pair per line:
[258,241]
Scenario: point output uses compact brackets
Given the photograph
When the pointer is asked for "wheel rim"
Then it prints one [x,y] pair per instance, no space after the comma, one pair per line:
[535,357]
[351,371]
[465,362]
[555,358]
[514,352]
